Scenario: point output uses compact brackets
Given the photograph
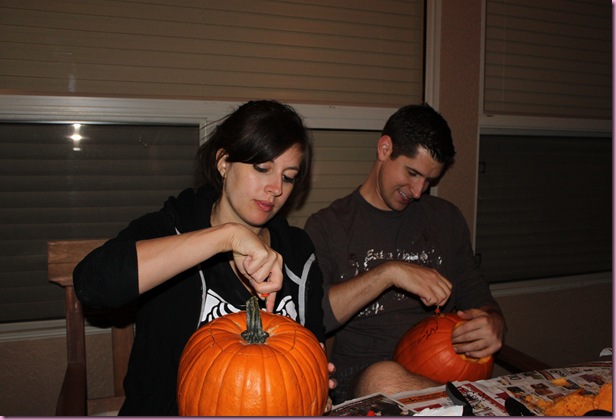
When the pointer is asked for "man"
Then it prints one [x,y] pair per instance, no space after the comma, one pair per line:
[391,254]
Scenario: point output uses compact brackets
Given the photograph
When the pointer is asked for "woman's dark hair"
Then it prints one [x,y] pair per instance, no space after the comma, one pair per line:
[420,125]
[257,132]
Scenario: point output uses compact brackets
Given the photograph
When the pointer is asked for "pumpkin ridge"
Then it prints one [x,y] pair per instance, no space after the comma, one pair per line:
[313,377]
[191,360]
[291,385]
[254,382]
[300,381]
[302,376]
[222,366]
[309,379]
[201,388]
[291,376]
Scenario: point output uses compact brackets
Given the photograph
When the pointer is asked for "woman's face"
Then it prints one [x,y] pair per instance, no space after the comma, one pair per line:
[253,193]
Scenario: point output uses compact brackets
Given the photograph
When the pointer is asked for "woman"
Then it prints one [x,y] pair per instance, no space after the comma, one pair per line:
[206,252]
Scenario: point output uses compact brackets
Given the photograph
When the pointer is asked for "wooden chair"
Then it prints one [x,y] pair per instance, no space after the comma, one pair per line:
[62,257]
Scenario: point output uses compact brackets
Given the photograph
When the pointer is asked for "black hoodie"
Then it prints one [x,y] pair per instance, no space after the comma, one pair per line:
[168,314]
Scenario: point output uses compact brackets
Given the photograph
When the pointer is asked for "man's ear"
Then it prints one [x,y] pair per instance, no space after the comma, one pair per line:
[384,147]
[221,162]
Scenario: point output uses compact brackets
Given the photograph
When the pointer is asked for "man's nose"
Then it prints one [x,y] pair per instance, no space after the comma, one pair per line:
[418,187]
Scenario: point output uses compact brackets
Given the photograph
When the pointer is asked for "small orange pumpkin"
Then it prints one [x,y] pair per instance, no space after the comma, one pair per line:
[252,363]
[426,349]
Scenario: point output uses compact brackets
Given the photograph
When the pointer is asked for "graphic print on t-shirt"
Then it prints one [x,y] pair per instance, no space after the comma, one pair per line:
[392,298]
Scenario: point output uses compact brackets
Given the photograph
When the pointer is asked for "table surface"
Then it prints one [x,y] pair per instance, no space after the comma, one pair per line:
[487,397]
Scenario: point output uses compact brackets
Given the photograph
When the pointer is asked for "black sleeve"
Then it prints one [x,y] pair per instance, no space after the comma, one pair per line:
[318,235]
[108,276]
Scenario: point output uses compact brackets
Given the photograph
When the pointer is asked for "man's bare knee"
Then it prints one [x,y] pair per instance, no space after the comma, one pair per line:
[388,377]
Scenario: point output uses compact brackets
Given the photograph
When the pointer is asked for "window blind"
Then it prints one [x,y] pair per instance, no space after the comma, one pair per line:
[367,53]
[548,58]
[53,187]
[342,160]
[544,207]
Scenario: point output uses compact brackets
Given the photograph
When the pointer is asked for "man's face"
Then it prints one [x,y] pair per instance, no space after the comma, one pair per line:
[403,179]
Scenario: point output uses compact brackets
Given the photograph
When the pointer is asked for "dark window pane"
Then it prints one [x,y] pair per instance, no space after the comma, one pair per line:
[544,206]
[54,187]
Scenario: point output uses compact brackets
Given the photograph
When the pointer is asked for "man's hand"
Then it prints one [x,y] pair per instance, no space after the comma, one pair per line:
[350,296]
[432,288]
[482,333]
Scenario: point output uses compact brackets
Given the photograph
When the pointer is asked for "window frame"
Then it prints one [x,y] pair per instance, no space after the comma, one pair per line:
[72,109]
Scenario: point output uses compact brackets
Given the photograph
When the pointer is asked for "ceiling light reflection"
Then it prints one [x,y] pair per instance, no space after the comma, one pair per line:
[76,137]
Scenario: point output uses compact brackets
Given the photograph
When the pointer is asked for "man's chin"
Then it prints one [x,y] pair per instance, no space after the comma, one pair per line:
[400,205]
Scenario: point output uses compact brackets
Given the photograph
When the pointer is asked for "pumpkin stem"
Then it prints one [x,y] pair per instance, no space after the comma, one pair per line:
[254,333]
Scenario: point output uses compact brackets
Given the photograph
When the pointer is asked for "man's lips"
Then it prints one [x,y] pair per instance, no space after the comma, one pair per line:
[405,198]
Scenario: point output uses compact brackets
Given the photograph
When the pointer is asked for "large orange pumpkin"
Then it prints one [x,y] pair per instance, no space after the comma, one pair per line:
[252,363]
[426,349]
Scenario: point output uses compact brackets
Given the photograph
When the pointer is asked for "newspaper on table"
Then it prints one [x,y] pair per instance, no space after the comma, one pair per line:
[371,405]
[484,401]
[550,384]
[487,397]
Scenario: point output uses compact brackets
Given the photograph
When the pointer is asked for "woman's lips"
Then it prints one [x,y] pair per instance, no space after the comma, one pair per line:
[264,205]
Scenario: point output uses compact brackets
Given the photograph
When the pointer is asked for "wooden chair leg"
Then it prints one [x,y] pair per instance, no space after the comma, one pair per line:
[74,392]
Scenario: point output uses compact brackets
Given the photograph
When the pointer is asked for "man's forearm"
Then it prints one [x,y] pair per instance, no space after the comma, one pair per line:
[352,295]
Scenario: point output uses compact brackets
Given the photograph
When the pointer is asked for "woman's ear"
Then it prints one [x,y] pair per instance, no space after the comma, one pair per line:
[384,147]
[221,162]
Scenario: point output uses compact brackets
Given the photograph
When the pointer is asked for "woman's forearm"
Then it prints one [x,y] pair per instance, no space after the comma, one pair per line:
[160,259]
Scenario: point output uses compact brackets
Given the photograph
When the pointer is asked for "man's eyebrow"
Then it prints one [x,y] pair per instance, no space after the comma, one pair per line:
[415,171]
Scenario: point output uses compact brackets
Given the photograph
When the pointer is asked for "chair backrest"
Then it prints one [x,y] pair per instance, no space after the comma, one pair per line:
[62,257]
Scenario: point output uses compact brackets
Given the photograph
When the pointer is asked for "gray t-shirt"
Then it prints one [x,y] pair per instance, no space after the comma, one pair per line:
[352,236]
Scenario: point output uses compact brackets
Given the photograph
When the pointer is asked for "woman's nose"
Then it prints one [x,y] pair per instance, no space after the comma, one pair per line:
[275,187]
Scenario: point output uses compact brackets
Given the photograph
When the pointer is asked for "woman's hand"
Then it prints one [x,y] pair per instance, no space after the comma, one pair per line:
[258,263]
[332,382]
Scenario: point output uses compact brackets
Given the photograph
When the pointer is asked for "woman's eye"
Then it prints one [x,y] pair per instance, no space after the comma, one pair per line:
[259,168]
[288,179]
